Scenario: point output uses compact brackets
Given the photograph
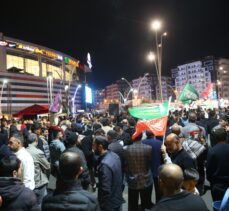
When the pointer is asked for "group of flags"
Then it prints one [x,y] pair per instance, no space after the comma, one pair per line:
[155,118]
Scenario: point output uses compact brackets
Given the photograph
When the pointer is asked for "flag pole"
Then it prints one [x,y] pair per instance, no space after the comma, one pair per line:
[163,141]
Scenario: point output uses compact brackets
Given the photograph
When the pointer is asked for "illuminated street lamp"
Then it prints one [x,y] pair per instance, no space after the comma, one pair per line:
[156,26]
[3,84]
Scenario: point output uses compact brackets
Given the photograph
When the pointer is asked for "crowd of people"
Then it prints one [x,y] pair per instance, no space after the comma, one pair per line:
[93,158]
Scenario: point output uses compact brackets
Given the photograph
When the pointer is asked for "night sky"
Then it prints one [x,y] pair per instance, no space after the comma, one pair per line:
[117,32]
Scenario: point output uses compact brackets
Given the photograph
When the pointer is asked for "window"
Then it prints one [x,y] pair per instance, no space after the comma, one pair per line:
[56,71]
[14,61]
[32,67]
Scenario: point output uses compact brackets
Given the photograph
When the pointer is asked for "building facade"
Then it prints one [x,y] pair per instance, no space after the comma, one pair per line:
[202,72]
[112,92]
[147,87]
[27,68]
[100,96]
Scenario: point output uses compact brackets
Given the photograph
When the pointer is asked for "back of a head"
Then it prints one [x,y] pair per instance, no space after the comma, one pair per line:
[191,174]
[32,137]
[131,122]
[149,134]
[171,176]
[220,134]
[105,122]
[69,165]
[101,140]
[192,117]
[96,126]
[212,114]
[99,132]
[9,164]
[71,138]
[176,129]
[111,134]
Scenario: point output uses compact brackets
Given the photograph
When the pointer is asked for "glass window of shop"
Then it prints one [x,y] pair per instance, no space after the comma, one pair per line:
[56,71]
[32,67]
[14,61]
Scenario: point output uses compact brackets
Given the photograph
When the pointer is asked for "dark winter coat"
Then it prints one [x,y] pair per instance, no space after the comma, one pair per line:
[15,195]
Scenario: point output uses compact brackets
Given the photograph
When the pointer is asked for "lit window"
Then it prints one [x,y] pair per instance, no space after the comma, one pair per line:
[32,67]
[14,61]
[56,71]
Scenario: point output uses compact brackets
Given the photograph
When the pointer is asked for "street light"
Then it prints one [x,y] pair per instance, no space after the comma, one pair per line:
[73,99]
[156,26]
[124,79]
[137,91]
[3,84]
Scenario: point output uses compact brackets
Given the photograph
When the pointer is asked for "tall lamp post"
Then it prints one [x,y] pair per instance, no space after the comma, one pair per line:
[140,83]
[3,84]
[130,90]
[156,26]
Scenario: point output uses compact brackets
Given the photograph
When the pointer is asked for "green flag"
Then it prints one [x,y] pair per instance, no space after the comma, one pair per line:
[188,94]
[152,112]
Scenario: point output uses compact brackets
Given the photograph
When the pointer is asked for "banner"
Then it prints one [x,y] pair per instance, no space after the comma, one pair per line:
[188,94]
[56,104]
[156,126]
[153,112]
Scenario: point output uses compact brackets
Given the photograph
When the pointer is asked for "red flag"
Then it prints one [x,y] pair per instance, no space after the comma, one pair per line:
[208,91]
[156,126]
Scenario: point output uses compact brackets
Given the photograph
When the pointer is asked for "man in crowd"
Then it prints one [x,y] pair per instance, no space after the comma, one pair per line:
[223,123]
[218,165]
[69,194]
[71,143]
[42,167]
[13,193]
[56,148]
[109,176]
[16,145]
[156,159]
[192,126]
[137,160]
[177,154]
[170,182]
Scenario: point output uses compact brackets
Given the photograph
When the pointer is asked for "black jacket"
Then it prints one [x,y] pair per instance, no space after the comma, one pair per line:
[15,195]
[110,181]
[217,164]
[70,196]
[183,201]
[183,159]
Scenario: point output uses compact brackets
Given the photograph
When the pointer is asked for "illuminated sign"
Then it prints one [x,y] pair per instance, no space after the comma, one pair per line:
[36,50]
[88,95]
[71,61]
[26,47]
[12,45]
[3,43]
